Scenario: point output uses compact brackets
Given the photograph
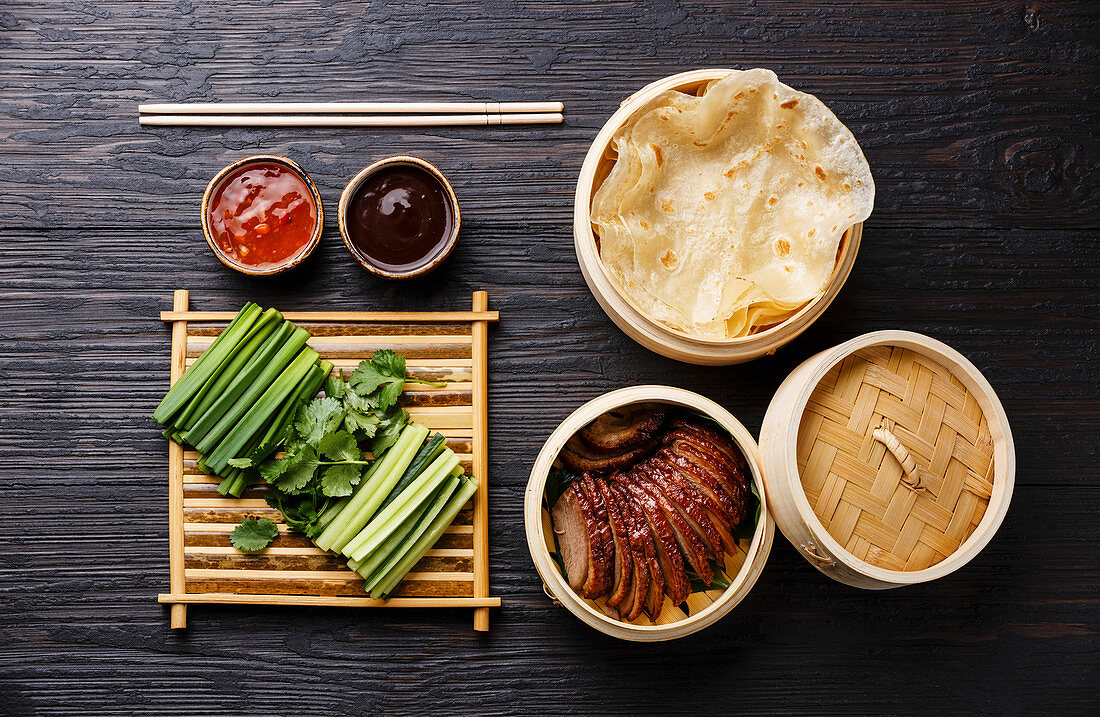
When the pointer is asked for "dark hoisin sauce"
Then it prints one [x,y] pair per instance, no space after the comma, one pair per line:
[400,218]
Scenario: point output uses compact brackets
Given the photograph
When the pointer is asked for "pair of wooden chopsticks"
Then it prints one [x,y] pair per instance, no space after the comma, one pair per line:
[349,114]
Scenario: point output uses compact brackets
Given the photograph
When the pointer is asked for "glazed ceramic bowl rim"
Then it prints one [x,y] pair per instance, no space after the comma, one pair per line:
[293,260]
[345,200]
[536,487]
[586,188]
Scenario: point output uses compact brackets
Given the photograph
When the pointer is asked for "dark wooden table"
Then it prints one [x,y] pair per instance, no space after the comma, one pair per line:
[978,119]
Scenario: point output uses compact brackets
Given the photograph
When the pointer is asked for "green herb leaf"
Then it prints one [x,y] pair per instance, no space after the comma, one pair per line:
[363,404]
[389,394]
[362,422]
[360,414]
[299,472]
[340,446]
[366,378]
[389,428]
[389,362]
[253,535]
[335,387]
[272,468]
[338,480]
[240,462]
[318,417]
[385,366]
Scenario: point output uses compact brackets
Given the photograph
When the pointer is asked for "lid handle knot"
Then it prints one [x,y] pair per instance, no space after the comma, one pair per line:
[546,591]
[910,473]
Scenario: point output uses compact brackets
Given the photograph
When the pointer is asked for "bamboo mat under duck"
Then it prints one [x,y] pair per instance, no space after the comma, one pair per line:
[438,346]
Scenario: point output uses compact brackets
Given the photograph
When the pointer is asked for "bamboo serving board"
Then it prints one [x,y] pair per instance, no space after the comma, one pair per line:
[439,346]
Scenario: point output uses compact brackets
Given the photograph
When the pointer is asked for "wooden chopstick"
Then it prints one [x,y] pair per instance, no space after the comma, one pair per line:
[350,120]
[252,108]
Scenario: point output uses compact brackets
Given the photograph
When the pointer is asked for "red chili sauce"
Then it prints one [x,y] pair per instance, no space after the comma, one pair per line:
[400,218]
[262,214]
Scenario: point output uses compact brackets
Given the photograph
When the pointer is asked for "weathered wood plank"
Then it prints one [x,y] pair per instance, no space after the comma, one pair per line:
[973,116]
[978,120]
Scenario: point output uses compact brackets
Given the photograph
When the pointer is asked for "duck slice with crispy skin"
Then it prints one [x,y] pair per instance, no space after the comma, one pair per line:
[578,532]
[702,498]
[625,428]
[574,540]
[691,545]
[677,586]
[718,466]
[649,581]
[579,456]
[703,481]
[623,572]
[714,437]
[603,545]
[686,501]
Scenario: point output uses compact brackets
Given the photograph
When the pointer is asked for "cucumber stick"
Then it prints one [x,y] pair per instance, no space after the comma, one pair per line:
[207,365]
[378,488]
[387,521]
[427,539]
[334,514]
[376,565]
[427,454]
[372,490]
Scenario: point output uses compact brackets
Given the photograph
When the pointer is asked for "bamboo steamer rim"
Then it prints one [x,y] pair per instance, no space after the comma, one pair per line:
[622,308]
[553,581]
[1003,452]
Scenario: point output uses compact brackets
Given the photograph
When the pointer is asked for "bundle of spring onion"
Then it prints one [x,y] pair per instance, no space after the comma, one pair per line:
[348,469]
[237,401]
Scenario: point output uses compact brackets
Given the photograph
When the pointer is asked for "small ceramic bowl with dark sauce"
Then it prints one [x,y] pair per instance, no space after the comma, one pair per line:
[399,217]
[262,215]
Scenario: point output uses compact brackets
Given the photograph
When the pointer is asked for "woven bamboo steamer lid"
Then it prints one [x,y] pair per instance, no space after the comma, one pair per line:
[707,607]
[889,460]
[652,334]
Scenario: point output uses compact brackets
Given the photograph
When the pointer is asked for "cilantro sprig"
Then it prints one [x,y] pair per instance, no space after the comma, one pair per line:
[253,535]
[323,457]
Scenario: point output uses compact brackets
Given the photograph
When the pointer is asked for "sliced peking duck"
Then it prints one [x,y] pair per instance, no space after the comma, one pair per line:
[665,505]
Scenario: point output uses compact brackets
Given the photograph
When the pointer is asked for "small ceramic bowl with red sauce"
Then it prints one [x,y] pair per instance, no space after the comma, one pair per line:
[399,217]
[262,215]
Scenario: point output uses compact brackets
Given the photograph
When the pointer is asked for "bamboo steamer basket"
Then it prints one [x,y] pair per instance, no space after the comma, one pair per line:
[888,460]
[652,334]
[705,607]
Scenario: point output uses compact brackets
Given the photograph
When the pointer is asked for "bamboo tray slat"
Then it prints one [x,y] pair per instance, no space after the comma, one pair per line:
[446,346]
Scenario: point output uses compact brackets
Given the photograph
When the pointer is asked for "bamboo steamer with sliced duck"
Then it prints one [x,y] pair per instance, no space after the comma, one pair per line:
[646,515]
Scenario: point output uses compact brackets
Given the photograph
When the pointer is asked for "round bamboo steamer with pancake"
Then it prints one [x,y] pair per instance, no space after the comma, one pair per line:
[653,334]
[888,460]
